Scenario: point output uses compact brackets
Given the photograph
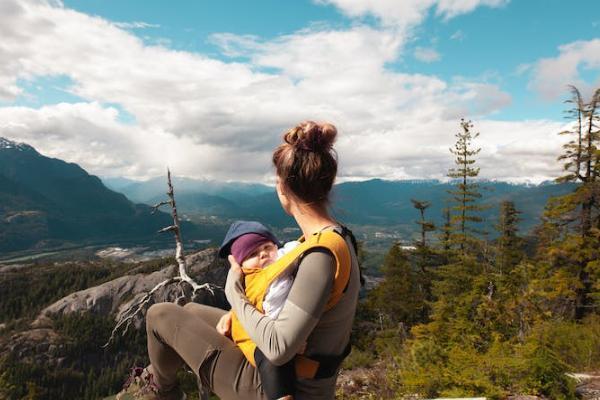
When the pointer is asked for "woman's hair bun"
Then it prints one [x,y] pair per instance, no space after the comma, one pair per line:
[311,136]
[306,162]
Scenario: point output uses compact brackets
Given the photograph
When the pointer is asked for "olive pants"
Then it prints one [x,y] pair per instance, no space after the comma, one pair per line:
[178,335]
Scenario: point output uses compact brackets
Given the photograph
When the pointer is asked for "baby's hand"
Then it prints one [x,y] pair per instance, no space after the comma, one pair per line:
[224,325]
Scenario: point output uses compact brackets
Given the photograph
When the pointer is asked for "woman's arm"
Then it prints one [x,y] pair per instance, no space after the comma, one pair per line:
[282,338]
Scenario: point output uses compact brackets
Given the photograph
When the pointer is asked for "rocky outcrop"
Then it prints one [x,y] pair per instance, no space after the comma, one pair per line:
[115,296]
[42,344]
[39,346]
[588,385]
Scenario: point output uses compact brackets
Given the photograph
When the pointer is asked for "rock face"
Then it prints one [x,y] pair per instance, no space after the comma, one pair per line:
[114,296]
[42,344]
[588,385]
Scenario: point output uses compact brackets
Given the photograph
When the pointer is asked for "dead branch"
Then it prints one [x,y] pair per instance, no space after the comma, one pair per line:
[128,316]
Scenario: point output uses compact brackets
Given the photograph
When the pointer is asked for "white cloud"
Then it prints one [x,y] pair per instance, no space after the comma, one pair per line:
[427,55]
[321,52]
[85,133]
[135,25]
[451,8]
[458,35]
[523,151]
[552,75]
[516,151]
[402,14]
[214,119]
[233,45]
[91,135]
[522,69]
[475,99]
[406,13]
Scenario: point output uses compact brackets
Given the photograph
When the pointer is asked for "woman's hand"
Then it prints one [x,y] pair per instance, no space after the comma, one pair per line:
[234,287]
[224,325]
[235,267]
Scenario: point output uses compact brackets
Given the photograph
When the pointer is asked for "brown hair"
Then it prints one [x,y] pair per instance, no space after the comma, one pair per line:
[306,162]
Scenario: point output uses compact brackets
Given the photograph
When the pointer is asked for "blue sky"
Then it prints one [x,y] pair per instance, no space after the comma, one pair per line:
[224,79]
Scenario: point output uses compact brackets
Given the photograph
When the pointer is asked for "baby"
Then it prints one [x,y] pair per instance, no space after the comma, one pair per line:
[254,246]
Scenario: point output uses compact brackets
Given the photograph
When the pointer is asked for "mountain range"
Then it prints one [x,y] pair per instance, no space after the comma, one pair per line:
[376,202]
[46,202]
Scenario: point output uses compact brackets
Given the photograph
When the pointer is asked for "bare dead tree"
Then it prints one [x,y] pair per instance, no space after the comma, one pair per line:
[128,316]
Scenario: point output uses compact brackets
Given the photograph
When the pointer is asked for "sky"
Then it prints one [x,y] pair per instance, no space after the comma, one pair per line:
[207,88]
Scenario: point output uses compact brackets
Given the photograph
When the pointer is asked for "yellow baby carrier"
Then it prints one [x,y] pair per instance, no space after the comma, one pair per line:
[258,280]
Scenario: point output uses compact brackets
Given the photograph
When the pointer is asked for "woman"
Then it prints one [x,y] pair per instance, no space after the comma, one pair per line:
[306,167]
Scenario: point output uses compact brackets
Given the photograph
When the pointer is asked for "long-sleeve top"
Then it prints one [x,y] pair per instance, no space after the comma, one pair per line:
[303,317]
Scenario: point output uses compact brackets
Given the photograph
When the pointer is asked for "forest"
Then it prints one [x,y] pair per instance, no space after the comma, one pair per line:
[462,315]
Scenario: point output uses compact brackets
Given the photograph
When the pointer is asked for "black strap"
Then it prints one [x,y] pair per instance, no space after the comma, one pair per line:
[328,365]
[277,381]
[347,232]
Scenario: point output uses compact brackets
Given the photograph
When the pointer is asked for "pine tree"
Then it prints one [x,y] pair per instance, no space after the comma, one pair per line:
[581,159]
[425,256]
[571,229]
[461,288]
[399,297]
[466,193]
[426,226]
[510,279]
[446,231]
[509,243]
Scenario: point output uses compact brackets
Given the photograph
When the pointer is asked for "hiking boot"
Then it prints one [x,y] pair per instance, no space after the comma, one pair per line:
[140,385]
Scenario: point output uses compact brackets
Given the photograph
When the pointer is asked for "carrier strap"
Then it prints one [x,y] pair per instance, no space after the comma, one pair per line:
[319,366]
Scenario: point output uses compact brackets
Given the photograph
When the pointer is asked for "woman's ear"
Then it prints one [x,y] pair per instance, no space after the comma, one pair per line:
[279,187]
[282,195]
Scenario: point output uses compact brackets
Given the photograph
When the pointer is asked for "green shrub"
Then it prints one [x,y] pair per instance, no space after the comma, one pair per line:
[575,343]
[547,374]
[359,359]
[430,369]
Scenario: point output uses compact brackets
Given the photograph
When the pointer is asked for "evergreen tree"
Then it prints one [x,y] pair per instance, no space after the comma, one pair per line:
[424,253]
[446,231]
[510,280]
[461,285]
[581,159]
[466,193]
[425,256]
[426,226]
[510,245]
[461,288]
[399,297]
[570,244]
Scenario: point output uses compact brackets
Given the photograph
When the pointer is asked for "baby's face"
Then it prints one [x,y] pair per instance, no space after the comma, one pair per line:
[261,256]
